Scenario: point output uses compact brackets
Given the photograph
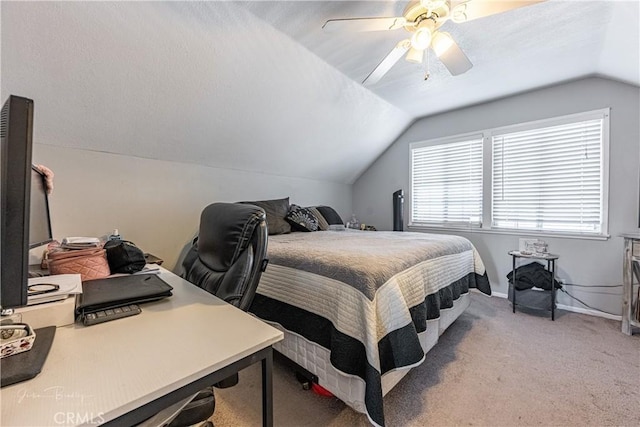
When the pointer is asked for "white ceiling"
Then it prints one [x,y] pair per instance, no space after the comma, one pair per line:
[519,50]
[258,86]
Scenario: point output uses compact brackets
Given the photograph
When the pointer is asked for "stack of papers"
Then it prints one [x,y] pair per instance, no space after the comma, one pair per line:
[68,284]
[80,242]
[148,269]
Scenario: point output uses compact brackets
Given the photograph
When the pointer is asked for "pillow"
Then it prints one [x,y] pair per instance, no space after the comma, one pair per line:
[302,219]
[323,225]
[330,215]
[276,210]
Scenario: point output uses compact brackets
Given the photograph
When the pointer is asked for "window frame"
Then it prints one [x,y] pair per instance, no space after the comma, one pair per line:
[441,141]
[487,175]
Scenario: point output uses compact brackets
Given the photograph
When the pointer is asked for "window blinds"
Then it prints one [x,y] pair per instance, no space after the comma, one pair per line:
[446,183]
[549,179]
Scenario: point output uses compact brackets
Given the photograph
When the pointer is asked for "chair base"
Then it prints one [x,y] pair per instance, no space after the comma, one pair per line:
[197,411]
[227,382]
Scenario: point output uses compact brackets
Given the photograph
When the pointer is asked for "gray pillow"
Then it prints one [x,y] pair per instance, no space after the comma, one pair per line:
[276,210]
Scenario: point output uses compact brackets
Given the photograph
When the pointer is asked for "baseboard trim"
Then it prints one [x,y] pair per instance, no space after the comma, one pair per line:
[573,309]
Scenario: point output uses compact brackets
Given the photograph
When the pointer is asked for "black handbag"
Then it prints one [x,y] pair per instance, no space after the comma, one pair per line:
[124,256]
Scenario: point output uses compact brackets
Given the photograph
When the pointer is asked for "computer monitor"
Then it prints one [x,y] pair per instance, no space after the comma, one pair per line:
[16,131]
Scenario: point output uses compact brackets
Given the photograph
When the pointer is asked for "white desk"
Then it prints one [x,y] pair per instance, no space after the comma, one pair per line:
[124,371]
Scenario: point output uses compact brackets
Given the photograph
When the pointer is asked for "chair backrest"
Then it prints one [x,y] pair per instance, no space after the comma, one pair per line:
[229,254]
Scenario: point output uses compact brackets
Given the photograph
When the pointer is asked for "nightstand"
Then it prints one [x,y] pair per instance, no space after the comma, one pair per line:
[536,299]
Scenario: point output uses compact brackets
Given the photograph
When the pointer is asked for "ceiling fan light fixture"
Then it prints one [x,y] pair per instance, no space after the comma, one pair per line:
[421,39]
[441,43]
[422,19]
[450,54]
[415,55]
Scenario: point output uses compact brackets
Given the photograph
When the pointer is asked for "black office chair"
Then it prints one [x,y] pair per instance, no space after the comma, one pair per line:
[226,259]
[229,255]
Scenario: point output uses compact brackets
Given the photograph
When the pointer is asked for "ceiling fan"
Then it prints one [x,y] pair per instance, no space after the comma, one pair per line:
[422,19]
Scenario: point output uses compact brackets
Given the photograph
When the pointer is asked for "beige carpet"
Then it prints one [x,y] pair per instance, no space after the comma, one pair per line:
[490,368]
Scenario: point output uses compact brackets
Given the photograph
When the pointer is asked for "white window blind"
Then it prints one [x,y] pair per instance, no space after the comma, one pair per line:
[549,179]
[446,183]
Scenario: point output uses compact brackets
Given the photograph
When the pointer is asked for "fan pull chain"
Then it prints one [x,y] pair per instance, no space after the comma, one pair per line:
[427,74]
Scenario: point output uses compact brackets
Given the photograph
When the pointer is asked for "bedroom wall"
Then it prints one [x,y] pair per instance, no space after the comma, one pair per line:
[584,262]
[156,203]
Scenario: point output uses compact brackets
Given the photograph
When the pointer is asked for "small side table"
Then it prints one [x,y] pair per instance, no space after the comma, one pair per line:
[551,267]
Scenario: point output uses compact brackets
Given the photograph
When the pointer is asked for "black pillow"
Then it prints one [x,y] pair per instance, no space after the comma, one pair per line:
[276,210]
[330,215]
[302,219]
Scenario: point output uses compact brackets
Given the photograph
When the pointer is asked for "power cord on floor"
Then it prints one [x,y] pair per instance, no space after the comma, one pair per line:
[587,305]
[593,286]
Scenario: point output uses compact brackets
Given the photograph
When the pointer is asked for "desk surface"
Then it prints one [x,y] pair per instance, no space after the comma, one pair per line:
[94,374]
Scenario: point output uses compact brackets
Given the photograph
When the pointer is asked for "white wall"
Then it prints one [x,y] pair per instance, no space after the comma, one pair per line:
[197,82]
[585,262]
[157,204]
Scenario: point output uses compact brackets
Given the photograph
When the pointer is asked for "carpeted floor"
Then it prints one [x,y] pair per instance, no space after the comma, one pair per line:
[490,368]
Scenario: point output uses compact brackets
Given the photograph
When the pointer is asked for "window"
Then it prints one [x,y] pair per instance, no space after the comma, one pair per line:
[446,183]
[548,177]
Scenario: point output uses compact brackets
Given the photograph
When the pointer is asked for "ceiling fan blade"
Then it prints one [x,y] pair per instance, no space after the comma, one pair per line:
[448,51]
[389,61]
[363,24]
[474,9]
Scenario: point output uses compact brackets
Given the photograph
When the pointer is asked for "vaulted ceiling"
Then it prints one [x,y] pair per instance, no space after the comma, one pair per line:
[259,86]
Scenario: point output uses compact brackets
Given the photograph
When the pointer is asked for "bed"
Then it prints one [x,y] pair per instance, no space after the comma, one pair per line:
[359,309]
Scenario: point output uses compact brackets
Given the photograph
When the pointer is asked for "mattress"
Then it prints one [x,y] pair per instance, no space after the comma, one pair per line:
[367,305]
[350,388]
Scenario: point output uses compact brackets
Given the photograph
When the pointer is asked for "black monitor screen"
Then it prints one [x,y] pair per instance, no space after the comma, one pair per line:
[39,220]
[16,130]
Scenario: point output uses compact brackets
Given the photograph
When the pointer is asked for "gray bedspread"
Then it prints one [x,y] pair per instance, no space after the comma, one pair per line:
[363,259]
[366,296]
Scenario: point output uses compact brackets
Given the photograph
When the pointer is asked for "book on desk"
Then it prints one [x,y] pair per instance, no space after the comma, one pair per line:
[106,295]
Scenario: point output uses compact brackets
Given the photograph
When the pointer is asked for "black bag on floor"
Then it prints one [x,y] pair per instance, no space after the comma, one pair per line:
[124,257]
